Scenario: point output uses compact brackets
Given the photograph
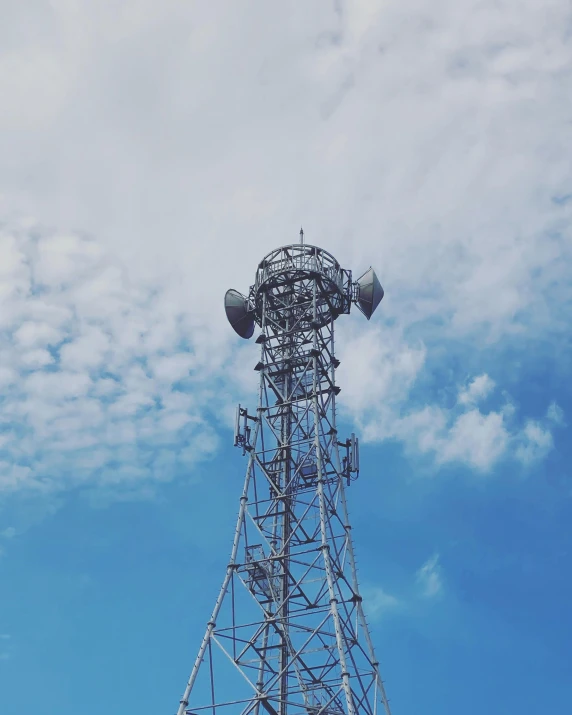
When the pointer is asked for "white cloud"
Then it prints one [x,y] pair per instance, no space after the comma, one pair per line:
[460,434]
[33,334]
[7,376]
[377,602]
[473,438]
[94,407]
[430,141]
[36,358]
[65,258]
[535,442]
[181,172]
[172,368]
[86,351]
[57,385]
[97,408]
[429,578]
[476,439]
[8,533]
[377,372]
[478,389]
[14,477]
[555,414]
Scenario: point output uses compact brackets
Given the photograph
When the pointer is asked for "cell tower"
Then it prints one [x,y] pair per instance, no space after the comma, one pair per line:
[288,633]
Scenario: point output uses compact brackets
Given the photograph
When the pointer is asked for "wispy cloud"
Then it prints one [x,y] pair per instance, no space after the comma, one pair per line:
[378,603]
[429,579]
[427,584]
[555,414]
[533,443]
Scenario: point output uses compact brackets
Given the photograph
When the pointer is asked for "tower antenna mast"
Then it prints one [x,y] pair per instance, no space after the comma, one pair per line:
[288,635]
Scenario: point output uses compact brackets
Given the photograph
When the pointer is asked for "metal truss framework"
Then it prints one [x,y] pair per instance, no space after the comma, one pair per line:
[288,632]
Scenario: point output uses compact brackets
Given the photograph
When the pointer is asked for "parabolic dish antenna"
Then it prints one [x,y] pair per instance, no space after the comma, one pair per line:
[238,314]
[369,294]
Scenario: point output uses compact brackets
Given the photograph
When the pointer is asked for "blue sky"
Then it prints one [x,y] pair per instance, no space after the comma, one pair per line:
[106,603]
[150,155]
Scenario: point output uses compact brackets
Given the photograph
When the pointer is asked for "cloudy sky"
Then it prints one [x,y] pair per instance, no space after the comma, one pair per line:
[150,154]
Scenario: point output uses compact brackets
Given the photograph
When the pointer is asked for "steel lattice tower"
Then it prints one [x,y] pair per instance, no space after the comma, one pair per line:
[288,633]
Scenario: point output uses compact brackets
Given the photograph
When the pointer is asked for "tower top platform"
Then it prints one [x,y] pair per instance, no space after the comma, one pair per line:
[290,278]
[297,287]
